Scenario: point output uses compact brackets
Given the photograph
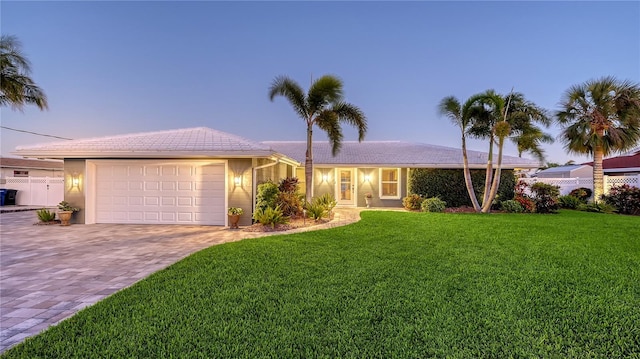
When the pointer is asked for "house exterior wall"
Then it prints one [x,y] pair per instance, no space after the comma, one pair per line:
[75,196]
[361,186]
[240,193]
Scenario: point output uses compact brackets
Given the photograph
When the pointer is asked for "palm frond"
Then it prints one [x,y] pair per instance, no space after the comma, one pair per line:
[352,115]
[328,121]
[288,88]
[323,92]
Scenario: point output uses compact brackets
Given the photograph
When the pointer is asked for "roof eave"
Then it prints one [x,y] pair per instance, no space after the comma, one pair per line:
[147,154]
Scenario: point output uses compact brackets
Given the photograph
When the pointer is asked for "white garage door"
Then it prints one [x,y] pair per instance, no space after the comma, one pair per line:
[163,192]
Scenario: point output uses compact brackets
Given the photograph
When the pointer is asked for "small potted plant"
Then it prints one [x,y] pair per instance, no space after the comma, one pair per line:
[65,212]
[234,216]
[367,198]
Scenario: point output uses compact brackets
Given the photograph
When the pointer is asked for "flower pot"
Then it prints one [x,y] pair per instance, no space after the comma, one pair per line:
[65,217]
[233,221]
[367,201]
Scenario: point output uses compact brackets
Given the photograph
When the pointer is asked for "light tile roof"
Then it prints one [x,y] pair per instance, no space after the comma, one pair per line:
[393,154]
[189,142]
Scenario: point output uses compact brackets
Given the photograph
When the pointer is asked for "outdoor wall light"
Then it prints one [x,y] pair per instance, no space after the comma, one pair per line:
[75,180]
[237,180]
[367,178]
[325,177]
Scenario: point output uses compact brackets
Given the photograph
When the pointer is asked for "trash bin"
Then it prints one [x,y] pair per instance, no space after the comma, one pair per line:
[10,197]
[3,192]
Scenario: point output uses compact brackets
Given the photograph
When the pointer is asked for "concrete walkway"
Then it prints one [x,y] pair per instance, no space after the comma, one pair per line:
[50,272]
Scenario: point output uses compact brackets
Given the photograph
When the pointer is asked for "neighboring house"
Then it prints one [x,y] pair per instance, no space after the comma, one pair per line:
[624,165]
[191,176]
[568,171]
[21,167]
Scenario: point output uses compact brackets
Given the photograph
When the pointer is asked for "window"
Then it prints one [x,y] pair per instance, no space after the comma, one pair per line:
[20,173]
[390,183]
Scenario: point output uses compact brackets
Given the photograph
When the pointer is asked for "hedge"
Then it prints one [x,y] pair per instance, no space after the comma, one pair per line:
[448,185]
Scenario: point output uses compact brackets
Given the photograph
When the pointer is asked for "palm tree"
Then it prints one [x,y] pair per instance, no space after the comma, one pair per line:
[498,118]
[600,117]
[322,106]
[16,87]
[460,116]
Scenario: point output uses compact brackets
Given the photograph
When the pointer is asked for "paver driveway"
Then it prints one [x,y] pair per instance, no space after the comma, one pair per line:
[49,272]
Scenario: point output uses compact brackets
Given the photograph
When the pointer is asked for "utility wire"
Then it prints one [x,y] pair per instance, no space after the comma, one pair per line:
[35,133]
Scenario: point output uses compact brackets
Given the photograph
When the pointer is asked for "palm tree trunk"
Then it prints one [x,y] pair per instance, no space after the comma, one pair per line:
[489,174]
[308,164]
[598,176]
[467,176]
[486,206]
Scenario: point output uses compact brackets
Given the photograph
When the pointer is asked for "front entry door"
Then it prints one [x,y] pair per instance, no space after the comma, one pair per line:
[345,190]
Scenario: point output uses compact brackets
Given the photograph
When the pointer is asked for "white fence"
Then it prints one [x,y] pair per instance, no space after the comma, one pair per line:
[37,191]
[568,184]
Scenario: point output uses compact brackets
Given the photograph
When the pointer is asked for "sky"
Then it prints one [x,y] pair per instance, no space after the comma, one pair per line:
[121,67]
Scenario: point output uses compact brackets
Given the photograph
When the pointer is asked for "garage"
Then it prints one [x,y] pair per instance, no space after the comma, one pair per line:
[160,192]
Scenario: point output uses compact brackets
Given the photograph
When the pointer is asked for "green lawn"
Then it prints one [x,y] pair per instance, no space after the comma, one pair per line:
[395,284]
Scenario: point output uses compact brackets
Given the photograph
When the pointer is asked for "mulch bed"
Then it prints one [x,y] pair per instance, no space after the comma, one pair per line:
[50,223]
[293,224]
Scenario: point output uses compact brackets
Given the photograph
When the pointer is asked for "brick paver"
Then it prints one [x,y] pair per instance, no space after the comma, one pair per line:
[49,272]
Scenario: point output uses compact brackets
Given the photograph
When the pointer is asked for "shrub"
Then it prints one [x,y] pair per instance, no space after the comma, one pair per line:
[290,203]
[599,207]
[582,193]
[569,202]
[327,201]
[449,185]
[412,202]
[270,216]
[235,211]
[521,196]
[316,210]
[44,215]
[545,197]
[288,185]
[511,206]
[267,195]
[625,198]
[433,204]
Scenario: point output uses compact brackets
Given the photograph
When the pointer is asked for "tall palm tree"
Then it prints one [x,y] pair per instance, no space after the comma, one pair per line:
[600,117]
[16,87]
[321,106]
[497,118]
[460,116]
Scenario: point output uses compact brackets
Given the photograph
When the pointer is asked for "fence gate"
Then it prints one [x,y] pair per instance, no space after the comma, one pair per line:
[37,191]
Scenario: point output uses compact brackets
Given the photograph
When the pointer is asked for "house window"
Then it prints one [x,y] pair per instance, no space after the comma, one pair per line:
[20,173]
[390,183]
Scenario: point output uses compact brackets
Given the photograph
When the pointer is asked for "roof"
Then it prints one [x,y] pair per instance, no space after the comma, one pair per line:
[189,142]
[9,162]
[566,168]
[630,161]
[392,154]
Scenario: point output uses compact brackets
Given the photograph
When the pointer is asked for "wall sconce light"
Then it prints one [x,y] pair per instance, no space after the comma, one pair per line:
[367,178]
[325,177]
[237,180]
[75,180]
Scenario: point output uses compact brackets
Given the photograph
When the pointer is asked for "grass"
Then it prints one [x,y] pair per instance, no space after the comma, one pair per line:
[395,284]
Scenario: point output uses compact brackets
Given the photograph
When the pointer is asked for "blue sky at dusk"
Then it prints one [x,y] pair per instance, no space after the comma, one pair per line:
[121,67]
